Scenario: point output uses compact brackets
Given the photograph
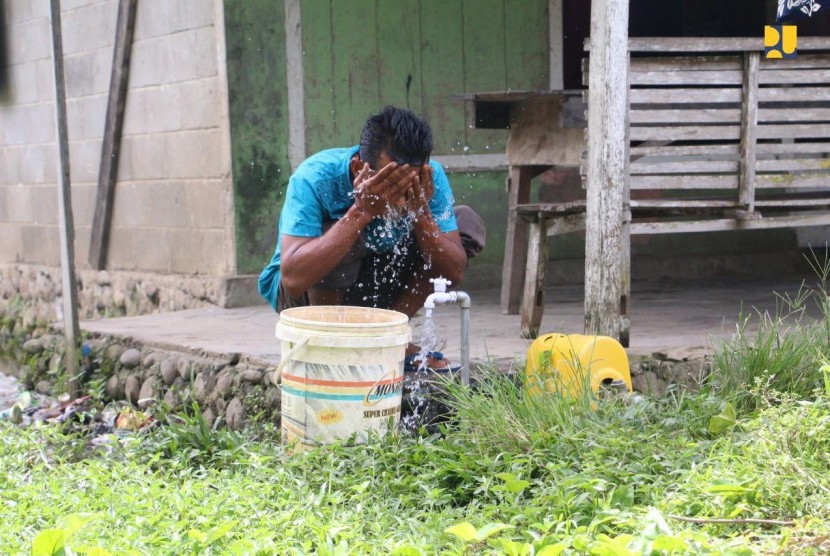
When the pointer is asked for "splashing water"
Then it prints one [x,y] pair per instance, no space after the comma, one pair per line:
[419,384]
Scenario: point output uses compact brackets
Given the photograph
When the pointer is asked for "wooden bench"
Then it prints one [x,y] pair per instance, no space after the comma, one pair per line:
[719,139]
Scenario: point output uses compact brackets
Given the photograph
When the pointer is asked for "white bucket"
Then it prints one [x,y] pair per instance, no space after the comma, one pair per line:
[341,372]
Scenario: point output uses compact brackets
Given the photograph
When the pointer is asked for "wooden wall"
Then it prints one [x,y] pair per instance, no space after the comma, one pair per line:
[361,55]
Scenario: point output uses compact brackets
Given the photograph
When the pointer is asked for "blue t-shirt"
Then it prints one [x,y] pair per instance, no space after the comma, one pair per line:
[321,190]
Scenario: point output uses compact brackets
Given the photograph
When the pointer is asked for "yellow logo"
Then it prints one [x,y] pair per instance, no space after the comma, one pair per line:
[780,41]
[329,417]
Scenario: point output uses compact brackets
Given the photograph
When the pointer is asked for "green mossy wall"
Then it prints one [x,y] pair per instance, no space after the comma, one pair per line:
[255,38]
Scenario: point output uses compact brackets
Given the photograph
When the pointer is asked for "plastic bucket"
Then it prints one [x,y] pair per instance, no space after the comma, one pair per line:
[341,372]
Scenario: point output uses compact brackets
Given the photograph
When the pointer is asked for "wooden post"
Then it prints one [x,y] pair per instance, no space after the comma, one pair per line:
[607,166]
[66,223]
[749,127]
[533,299]
[515,243]
[110,147]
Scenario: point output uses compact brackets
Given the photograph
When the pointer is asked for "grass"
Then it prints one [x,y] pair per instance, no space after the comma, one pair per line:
[771,353]
[738,467]
[604,482]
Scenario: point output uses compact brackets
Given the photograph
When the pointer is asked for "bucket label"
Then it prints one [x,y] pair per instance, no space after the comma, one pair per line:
[325,402]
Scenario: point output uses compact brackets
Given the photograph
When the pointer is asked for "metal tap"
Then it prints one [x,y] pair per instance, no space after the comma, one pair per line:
[441,297]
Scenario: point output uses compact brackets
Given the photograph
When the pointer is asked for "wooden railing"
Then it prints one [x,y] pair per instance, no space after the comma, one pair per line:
[719,139]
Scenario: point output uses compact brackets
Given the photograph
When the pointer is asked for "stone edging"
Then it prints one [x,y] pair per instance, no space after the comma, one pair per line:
[225,388]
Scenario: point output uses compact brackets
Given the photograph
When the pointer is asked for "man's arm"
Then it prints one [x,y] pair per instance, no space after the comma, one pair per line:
[307,260]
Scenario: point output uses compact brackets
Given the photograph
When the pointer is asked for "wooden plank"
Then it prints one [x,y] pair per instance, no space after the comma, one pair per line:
[295,82]
[685,150]
[765,151]
[399,54]
[318,75]
[667,77]
[684,96]
[356,84]
[729,224]
[541,211]
[794,131]
[686,182]
[685,63]
[787,148]
[537,136]
[556,41]
[709,45]
[682,203]
[791,180]
[607,165]
[565,224]
[684,167]
[691,115]
[515,242]
[687,133]
[803,60]
[66,224]
[794,165]
[749,128]
[807,114]
[793,94]
[111,145]
[625,279]
[472,162]
[518,95]
[803,202]
[795,76]
[533,295]
[483,47]
[441,46]
[526,39]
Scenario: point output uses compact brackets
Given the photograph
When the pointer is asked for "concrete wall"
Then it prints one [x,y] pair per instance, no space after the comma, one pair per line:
[173,210]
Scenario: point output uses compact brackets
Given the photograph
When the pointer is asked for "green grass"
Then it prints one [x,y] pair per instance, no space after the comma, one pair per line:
[604,482]
[779,352]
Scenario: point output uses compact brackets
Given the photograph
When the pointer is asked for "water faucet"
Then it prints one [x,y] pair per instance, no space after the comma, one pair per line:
[440,297]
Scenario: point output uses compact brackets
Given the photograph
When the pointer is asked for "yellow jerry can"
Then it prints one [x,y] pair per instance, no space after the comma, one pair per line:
[574,362]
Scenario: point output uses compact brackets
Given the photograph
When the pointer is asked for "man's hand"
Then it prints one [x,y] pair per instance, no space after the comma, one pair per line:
[375,193]
[421,194]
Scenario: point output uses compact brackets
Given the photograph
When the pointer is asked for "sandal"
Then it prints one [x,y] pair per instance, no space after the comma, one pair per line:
[411,363]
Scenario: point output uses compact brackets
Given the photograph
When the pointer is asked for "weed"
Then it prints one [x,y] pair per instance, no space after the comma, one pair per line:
[187,440]
[771,354]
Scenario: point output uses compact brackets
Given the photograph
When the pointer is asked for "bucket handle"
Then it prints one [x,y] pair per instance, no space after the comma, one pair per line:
[287,357]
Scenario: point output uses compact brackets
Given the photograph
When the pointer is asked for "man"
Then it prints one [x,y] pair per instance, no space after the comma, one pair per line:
[371,224]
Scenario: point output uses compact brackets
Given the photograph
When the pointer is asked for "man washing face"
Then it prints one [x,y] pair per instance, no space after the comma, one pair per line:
[370,225]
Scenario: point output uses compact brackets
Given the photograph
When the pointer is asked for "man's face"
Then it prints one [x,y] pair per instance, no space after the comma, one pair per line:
[382,161]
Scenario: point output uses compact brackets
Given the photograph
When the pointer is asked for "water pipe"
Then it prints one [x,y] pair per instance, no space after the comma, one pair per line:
[441,297]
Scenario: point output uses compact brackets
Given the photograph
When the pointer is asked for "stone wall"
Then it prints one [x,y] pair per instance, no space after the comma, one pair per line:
[32,293]
[173,206]
[227,388]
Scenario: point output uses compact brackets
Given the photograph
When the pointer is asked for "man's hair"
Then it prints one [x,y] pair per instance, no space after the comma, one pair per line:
[405,136]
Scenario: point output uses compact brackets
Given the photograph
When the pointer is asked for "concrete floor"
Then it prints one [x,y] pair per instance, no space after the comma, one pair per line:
[682,320]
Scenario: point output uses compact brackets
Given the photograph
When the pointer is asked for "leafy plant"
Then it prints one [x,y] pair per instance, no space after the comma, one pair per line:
[186,438]
[52,542]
